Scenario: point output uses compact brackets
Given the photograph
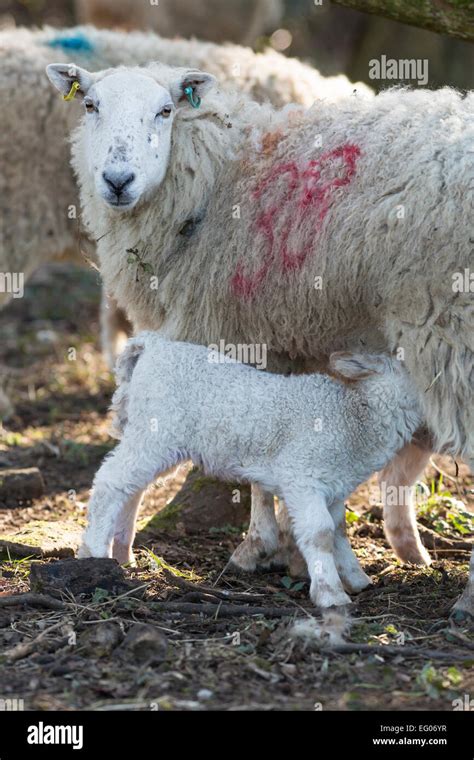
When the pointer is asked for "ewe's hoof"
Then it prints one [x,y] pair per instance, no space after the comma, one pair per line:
[414,554]
[462,617]
[463,611]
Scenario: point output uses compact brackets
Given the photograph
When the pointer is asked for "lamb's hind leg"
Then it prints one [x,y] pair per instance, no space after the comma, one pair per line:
[397,483]
[314,532]
[261,541]
[350,572]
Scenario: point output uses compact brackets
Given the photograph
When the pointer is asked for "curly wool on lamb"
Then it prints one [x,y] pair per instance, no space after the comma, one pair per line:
[173,403]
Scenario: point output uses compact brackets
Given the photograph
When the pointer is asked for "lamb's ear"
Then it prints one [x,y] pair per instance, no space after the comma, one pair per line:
[191,87]
[356,366]
[63,76]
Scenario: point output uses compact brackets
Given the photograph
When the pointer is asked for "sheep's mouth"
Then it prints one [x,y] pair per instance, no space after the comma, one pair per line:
[120,202]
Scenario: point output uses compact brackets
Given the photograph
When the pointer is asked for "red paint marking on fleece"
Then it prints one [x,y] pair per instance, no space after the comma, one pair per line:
[305,192]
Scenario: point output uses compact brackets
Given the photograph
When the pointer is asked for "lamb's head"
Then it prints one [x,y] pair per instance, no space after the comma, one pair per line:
[128,124]
[386,381]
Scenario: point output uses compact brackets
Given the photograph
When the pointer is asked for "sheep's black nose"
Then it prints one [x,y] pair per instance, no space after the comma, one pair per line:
[118,181]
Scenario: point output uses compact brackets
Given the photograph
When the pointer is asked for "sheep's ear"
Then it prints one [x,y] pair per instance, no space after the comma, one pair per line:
[355,366]
[63,76]
[192,87]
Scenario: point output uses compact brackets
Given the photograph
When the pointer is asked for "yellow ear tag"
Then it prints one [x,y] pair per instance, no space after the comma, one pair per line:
[72,92]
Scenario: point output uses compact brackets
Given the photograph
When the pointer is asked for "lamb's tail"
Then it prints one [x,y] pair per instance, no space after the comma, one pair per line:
[123,374]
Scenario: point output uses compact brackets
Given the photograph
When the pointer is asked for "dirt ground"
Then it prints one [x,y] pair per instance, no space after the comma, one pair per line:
[84,655]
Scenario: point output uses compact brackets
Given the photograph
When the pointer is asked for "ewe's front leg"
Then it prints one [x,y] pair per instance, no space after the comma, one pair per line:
[314,532]
[261,542]
[352,576]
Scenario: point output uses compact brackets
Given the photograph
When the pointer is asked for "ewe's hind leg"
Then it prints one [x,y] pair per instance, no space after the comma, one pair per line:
[465,603]
[314,531]
[350,572]
[261,541]
[397,483]
[117,488]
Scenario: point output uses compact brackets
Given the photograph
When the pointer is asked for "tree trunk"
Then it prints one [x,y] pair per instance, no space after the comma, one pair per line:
[453,17]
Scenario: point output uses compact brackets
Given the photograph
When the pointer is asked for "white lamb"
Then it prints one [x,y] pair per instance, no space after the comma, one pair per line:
[309,439]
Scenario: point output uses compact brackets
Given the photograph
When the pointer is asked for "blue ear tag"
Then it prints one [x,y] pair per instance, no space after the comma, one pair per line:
[195,100]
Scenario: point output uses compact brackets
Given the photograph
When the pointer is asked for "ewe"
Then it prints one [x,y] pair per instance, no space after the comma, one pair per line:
[306,231]
[39,195]
[307,438]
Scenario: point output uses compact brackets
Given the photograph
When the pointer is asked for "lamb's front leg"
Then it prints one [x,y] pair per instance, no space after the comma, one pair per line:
[261,541]
[314,532]
[117,488]
[352,576]
[125,529]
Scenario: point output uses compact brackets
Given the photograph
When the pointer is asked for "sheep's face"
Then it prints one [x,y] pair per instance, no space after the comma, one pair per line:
[128,125]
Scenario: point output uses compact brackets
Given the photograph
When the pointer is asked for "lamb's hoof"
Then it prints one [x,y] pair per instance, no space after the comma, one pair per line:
[356,584]
[251,555]
[124,555]
[289,558]
[328,597]
[83,552]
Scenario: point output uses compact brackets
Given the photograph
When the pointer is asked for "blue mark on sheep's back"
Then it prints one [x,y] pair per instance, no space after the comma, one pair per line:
[77,42]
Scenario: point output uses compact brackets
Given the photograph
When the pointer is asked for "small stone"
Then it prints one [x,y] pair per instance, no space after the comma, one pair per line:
[145,644]
[40,538]
[204,694]
[101,639]
[20,485]
[78,576]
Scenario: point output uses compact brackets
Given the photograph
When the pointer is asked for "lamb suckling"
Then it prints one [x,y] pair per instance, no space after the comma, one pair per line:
[310,439]
[305,231]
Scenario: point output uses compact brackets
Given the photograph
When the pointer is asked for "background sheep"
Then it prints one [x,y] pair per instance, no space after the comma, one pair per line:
[232,21]
[338,193]
[177,401]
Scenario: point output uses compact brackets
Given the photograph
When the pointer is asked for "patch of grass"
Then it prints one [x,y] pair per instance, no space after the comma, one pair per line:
[437,682]
[158,563]
[444,513]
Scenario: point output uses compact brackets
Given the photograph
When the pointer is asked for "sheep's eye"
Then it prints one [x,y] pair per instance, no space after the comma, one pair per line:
[90,107]
[166,112]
